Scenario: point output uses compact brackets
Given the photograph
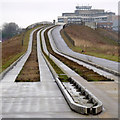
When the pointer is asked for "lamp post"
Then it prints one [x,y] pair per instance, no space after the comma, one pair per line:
[23,37]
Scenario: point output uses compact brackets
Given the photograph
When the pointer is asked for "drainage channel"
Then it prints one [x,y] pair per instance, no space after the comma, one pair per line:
[77,95]
[30,71]
[85,102]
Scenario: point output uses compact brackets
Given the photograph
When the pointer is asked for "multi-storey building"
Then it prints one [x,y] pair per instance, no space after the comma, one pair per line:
[85,14]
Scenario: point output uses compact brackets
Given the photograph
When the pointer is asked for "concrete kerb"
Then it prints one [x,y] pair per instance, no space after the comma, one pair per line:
[50,67]
[77,83]
[95,65]
[87,62]
[38,49]
[10,67]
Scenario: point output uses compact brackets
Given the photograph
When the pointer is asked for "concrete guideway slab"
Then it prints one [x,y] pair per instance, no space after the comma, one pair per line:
[110,104]
[8,80]
[62,46]
[96,116]
[11,75]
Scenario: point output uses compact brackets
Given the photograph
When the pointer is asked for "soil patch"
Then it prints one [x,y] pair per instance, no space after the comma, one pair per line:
[30,71]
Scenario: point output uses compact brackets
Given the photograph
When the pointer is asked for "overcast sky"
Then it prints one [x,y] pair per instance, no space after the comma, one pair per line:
[26,12]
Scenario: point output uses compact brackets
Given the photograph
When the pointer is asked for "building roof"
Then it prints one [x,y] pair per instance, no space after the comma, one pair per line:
[83,7]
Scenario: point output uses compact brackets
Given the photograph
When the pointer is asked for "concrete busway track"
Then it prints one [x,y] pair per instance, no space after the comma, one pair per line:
[7,83]
[83,106]
[33,99]
[110,67]
[109,100]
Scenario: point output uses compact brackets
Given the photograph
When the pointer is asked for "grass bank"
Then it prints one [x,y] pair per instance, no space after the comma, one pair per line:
[99,43]
[13,49]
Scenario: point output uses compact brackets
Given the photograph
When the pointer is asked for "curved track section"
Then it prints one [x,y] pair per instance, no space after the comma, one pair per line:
[103,64]
[86,65]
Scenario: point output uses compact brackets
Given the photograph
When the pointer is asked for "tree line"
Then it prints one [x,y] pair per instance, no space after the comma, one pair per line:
[9,30]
